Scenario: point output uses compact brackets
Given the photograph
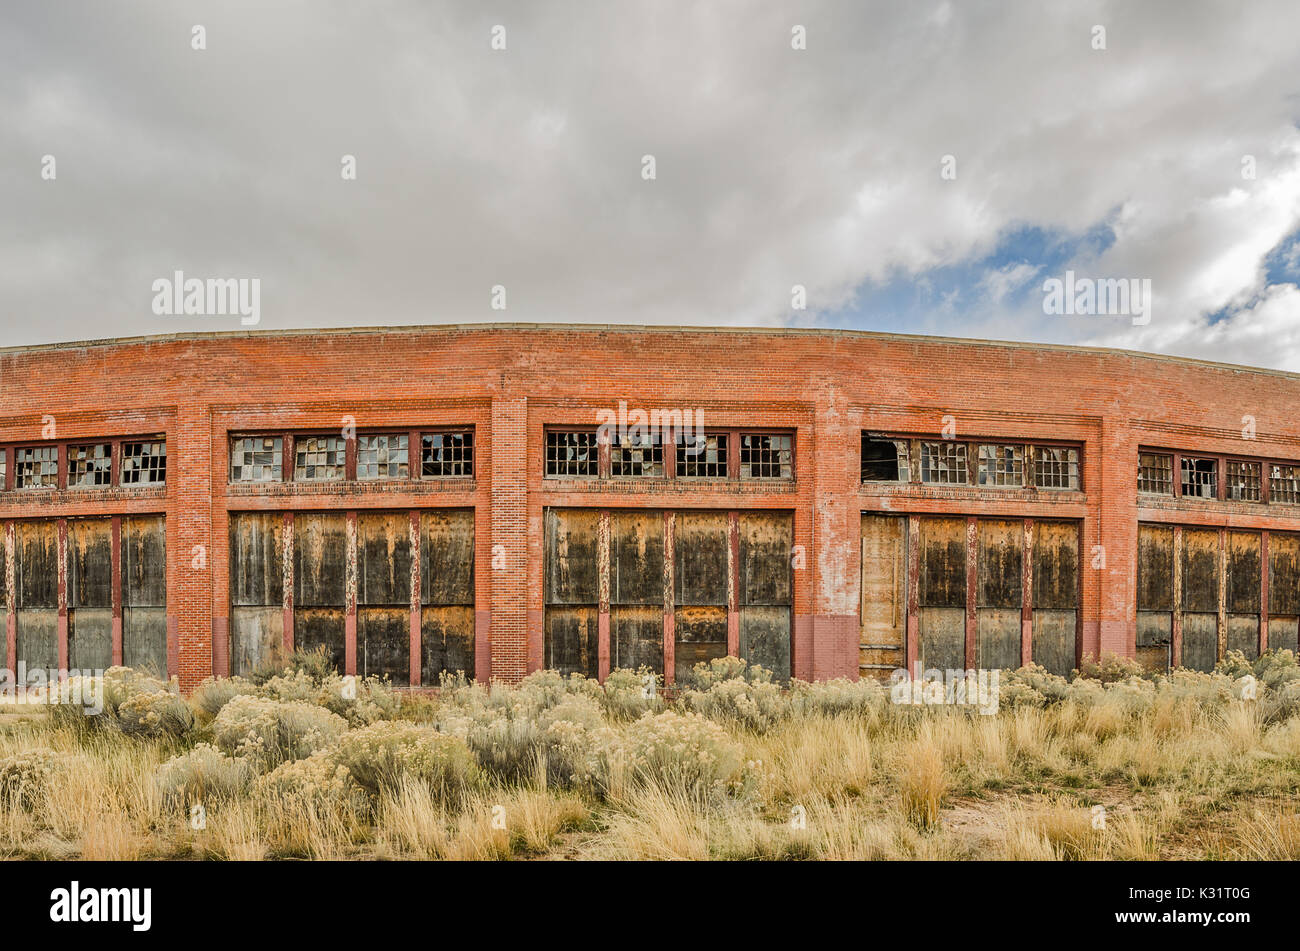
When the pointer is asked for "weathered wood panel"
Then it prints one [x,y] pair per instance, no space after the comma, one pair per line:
[1053,647]
[943,638]
[1000,558]
[1243,634]
[36,568]
[1200,570]
[700,559]
[384,561]
[144,594]
[1155,634]
[447,642]
[883,610]
[1056,566]
[1243,579]
[38,638]
[571,562]
[1200,641]
[90,563]
[1155,568]
[570,641]
[636,635]
[700,635]
[90,638]
[766,543]
[256,637]
[942,580]
[1283,574]
[384,639]
[765,638]
[315,627]
[998,642]
[447,557]
[257,559]
[1283,631]
[320,555]
[636,561]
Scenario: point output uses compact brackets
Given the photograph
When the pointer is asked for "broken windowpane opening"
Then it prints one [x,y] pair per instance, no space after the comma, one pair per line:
[1002,465]
[90,466]
[446,455]
[383,456]
[36,468]
[703,458]
[572,453]
[1156,473]
[255,459]
[4,470]
[1056,468]
[884,460]
[319,458]
[144,463]
[636,455]
[943,462]
[766,456]
[1284,484]
[1200,477]
[1243,481]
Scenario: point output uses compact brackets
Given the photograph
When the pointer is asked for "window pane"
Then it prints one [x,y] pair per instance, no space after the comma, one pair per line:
[36,468]
[1156,473]
[319,458]
[383,456]
[943,462]
[1002,465]
[1056,468]
[703,459]
[89,466]
[636,456]
[144,463]
[444,455]
[572,454]
[766,456]
[257,459]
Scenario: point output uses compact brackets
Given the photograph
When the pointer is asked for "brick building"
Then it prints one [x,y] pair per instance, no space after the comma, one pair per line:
[429,499]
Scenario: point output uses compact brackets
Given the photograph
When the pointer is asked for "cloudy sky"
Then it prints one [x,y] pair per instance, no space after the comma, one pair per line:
[920,166]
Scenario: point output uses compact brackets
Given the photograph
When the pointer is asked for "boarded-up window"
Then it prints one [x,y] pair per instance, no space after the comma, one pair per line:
[36,579]
[1200,600]
[144,593]
[1283,590]
[446,594]
[999,590]
[636,590]
[701,567]
[384,595]
[942,593]
[256,590]
[766,583]
[572,594]
[1155,595]
[90,593]
[1243,592]
[319,580]
[1055,587]
[884,595]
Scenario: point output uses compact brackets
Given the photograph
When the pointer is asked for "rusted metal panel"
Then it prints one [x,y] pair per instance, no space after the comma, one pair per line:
[882,642]
[571,556]
[1243,561]
[144,593]
[999,638]
[257,559]
[1284,574]
[384,638]
[447,557]
[1200,559]
[1243,634]
[571,639]
[636,636]
[700,558]
[636,561]
[700,636]
[1054,640]
[1200,640]
[1282,632]
[36,556]
[447,642]
[384,561]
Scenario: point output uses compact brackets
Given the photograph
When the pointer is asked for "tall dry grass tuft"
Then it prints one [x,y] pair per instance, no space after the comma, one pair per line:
[923,781]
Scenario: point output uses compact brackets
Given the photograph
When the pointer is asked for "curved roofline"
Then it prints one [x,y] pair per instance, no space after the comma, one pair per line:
[547,327]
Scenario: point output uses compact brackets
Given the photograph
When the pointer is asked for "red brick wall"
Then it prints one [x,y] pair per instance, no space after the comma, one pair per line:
[510,382]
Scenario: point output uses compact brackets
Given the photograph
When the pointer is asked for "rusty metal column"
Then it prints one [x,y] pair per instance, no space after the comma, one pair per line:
[415,673]
[1176,623]
[286,583]
[350,598]
[115,562]
[602,575]
[61,624]
[972,587]
[670,620]
[733,584]
[1027,597]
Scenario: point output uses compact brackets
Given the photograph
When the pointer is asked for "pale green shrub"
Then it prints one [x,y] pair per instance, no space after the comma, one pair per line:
[25,777]
[203,775]
[213,694]
[319,778]
[673,749]
[379,756]
[754,705]
[705,675]
[629,694]
[156,714]
[272,731]
[840,697]
[1110,669]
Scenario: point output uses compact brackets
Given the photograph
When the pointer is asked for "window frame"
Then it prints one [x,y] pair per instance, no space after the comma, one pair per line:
[733,434]
[973,446]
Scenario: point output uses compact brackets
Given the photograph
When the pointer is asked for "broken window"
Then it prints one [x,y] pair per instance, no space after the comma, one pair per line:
[572,453]
[943,462]
[4,459]
[89,466]
[1002,465]
[884,460]
[766,456]
[1200,477]
[636,456]
[446,455]
[703,458]
[1284,484]
[383,456]
[36,467]
[1056,468]
[319,458]
[144,463]
[1156,473]
[1243,481]
[252,459]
